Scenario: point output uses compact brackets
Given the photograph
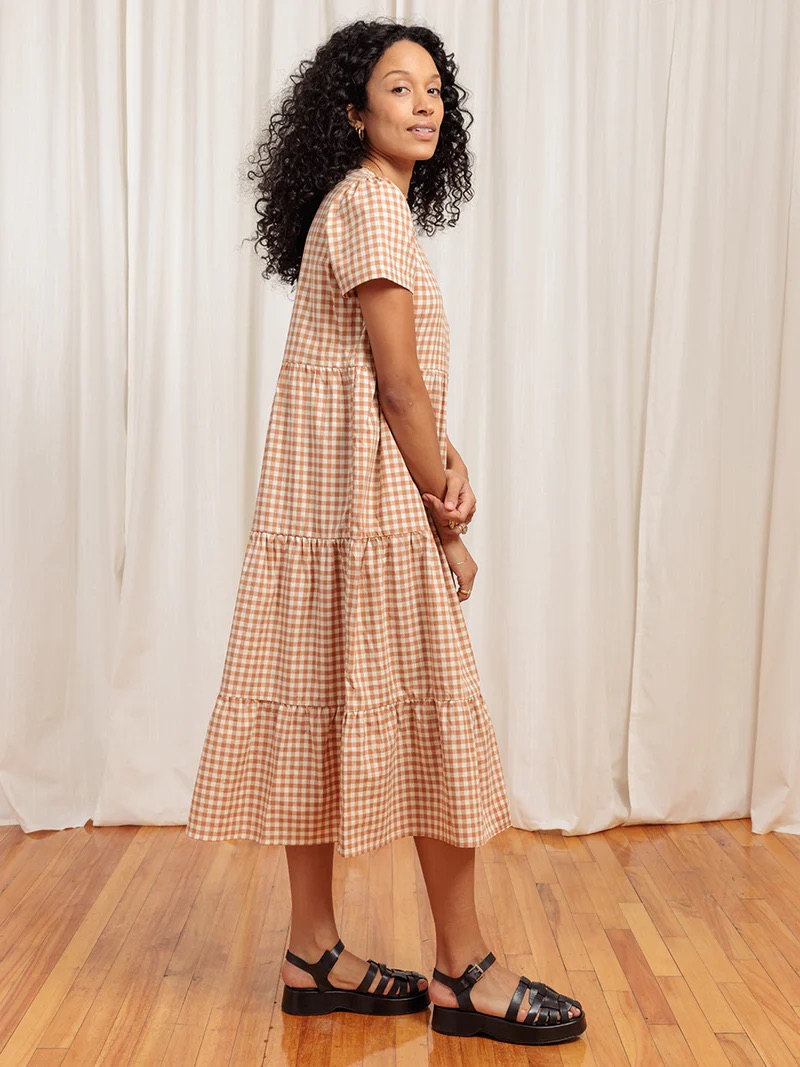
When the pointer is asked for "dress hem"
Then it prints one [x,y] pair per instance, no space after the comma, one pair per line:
[282,840]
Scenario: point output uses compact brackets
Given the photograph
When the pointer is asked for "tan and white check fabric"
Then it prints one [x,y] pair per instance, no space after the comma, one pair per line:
[350,707]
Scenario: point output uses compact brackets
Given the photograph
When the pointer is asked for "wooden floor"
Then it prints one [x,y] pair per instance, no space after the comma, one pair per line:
[138,945]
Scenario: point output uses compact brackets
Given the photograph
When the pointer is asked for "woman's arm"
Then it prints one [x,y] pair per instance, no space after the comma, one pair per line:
[388,312]
[455,462]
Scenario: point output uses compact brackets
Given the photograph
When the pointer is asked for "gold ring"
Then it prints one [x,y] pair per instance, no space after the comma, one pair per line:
[466,592]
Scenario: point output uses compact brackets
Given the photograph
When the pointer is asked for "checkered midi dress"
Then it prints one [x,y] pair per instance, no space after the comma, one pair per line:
[350,708]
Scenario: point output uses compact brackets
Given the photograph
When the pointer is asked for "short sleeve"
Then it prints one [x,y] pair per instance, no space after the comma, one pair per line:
[371,235]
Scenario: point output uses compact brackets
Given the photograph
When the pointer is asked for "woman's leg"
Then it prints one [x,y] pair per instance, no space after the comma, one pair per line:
[449,874]
[314,928]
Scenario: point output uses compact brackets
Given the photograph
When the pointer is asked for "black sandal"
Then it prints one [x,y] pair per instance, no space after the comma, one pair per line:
[402,999]
[552,1026]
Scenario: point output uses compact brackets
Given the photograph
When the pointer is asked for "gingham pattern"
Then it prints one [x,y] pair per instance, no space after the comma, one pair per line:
[350,707]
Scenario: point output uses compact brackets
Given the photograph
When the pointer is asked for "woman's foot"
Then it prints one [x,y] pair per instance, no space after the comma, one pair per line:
[346,973]
[491,994]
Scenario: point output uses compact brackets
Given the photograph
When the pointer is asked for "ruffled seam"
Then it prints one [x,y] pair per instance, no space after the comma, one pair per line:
[436,700]
[282,537]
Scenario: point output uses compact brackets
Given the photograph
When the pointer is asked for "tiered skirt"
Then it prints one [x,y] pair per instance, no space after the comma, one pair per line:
[350,709]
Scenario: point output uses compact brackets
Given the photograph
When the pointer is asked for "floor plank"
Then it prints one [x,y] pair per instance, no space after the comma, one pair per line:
[140,946]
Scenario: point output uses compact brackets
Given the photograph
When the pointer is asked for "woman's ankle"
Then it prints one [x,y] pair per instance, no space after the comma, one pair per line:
[310,943]
[453,960]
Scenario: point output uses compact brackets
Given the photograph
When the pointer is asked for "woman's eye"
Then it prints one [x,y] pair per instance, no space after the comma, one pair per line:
[401,87]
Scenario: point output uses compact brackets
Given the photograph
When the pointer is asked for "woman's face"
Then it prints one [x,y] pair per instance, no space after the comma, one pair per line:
[403,92]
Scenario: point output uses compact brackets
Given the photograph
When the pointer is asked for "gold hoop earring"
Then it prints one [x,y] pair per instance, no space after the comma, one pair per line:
[360,132]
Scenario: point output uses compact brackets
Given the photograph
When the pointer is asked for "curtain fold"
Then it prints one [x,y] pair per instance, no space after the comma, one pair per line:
[776,775]
[625,374]
[709,450]
[63,381]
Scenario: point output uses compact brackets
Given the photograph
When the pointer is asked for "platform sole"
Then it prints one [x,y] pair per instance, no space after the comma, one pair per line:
[459,1023]
[313,1002]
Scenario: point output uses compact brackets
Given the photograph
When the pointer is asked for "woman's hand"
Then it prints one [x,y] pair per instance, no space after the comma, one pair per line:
[462,565]
[459,504]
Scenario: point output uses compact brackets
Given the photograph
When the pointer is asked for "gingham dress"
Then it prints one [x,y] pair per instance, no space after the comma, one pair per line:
[350,708]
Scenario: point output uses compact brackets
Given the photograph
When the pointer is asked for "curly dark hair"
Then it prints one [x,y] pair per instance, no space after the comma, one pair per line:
[309,144]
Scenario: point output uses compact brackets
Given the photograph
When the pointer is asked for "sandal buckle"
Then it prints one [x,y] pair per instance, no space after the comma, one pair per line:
[474,972]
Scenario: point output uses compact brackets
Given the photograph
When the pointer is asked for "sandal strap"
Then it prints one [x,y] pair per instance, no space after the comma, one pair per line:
[547,991]
[384,980]
[320,970]
[405,982]
[549,1008]
[366,981]
[516,1000]
[462,985]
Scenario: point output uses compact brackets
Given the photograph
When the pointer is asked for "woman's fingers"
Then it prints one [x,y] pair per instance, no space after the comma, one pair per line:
[442,514]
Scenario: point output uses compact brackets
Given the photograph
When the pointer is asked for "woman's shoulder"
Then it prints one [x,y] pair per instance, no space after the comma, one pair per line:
[362,194]
[369,232]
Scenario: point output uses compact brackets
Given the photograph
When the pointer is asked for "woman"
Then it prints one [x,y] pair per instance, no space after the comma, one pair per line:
[350,710]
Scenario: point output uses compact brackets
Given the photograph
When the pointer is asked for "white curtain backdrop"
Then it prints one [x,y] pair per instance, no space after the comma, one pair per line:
[624,300]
